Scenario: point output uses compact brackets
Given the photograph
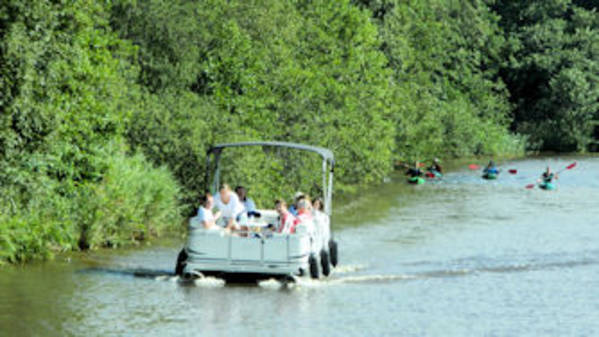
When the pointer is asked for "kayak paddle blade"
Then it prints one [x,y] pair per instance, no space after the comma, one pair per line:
[473,167]
[530,186]
[513,171]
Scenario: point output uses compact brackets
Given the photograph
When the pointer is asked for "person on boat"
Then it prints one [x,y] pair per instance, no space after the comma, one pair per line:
[414,172]
[205,218]
[317,206]
[287,221]
[248,203]
[321,219]
[435,166]
[491,168]
[304,215]
[548,176]
[232,210]
[296,198]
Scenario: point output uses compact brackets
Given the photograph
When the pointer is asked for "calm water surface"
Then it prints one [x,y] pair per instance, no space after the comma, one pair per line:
[462,257]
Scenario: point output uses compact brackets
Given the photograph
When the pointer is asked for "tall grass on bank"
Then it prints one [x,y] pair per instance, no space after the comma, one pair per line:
[132,202]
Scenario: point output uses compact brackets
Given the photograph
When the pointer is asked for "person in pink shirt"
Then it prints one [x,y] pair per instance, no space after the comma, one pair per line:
[304,214]
[287,221]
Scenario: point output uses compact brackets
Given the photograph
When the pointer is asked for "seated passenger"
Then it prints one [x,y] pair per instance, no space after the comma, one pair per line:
[231,208]
[205,218]
[287,221]
[304,214]
[296,198]
[248,203]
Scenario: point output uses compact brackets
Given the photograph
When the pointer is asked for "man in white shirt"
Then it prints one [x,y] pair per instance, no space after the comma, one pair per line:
[231,209]
[205,218]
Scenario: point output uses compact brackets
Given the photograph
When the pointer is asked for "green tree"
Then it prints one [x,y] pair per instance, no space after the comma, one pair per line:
[553,70]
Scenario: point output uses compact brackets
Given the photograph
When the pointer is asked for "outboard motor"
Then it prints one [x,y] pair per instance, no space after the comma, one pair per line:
[333,252]
[181,262]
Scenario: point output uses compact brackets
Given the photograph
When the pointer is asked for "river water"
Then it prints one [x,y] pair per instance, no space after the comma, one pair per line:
[460,257]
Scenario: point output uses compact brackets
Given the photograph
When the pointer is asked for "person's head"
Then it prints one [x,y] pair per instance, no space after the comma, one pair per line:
[225,193]
[297,196]
[317,204]
[280,206]
[207,201]
[303,205]
[436,160]
[548,170]
[491,163]
[241,192]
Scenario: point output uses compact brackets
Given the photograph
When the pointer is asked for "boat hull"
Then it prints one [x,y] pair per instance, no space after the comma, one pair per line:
[490,176]
[416,180]
[547,186]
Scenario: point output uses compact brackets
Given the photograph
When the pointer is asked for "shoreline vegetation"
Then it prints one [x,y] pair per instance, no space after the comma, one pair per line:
[107,108]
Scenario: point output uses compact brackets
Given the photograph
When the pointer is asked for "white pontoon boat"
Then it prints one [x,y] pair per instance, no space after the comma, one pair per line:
[261,253]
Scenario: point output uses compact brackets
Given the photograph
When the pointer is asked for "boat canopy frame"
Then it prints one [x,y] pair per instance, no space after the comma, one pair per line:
[328,165]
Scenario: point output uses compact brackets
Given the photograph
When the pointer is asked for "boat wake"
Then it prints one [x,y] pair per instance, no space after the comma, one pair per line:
[135,272]
[346,274]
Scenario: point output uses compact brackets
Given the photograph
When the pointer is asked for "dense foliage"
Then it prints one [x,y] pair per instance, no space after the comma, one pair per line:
[107,108]
[552,70]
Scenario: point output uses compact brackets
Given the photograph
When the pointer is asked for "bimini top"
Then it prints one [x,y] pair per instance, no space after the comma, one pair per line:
[325,153]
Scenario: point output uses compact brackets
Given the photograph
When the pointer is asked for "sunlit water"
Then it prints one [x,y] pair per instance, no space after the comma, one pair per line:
[461,257]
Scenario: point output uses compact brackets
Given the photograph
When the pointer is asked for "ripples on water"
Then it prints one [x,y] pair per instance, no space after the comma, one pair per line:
[461,257]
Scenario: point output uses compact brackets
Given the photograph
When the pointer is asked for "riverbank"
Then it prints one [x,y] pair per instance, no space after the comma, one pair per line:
[131,208]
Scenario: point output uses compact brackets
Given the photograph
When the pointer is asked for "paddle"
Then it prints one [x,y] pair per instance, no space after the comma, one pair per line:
[477,167]
[569,167]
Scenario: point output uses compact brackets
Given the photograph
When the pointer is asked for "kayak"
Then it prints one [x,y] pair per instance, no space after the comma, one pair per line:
[490,176]
[547,186]
[432,174]
[416,180]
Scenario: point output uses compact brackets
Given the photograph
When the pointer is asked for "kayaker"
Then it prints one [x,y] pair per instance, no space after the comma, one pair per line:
[548,176]
[414,172]
[491,168]
[435,166]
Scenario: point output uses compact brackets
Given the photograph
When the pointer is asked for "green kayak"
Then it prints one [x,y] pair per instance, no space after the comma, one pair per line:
[490,176]
[416,180]
[547,186]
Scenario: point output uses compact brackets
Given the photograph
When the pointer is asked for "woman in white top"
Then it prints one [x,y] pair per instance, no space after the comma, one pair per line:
[205,218]
[322,221]
[231,209]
